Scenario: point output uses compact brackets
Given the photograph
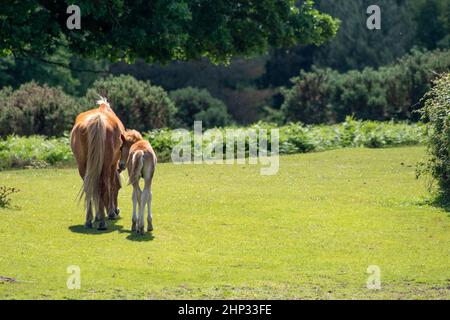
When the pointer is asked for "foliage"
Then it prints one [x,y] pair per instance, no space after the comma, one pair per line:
[138,104]
[162,30]
[34,152]
[298,138]
[5,193]
[355,46]
[405,24]
[37,151]
[198,105]
[391,92]
[15,72]
[34,109]
[433,23]
[234,84]
[436,112]
[53,70]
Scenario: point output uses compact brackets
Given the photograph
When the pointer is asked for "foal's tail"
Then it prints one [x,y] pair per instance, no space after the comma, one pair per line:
[96,136]
[137,163]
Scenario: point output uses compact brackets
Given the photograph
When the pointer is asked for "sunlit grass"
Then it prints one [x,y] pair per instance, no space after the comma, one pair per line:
[226,232]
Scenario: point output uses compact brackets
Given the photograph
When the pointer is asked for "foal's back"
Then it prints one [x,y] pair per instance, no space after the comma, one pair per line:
[142,161]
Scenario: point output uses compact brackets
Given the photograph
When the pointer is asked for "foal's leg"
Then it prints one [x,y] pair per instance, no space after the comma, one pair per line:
[149,168]
[136,203]
[149,210]
[144,201]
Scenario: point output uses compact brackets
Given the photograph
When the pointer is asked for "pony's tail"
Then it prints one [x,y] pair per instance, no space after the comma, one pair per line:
[137,163]
[96,136]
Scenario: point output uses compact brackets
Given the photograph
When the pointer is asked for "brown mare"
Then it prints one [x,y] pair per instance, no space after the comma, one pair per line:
[140,160]
[96,140]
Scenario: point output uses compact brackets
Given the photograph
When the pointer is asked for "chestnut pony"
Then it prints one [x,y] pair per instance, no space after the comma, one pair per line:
[96,140]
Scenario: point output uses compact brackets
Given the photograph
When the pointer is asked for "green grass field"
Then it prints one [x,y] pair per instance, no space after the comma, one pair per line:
[226,232]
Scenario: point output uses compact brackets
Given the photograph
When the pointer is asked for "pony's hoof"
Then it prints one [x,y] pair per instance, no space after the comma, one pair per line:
[112,216]
[102,226]
[88,225]
[150,228]
[141,231]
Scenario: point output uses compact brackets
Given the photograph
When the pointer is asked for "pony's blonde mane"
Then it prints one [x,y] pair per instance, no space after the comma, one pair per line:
[104,101]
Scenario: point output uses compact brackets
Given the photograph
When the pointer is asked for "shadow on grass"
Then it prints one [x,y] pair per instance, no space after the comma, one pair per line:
[440,201]
[111,225]
[133,236]
[11,208]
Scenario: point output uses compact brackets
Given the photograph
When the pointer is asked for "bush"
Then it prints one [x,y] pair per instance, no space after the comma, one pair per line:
[436,112]
[34,109]
[298,138]
[198,105]
[39,152]
[5,193]
[138,104]
[308,100]
[34,151]
[391,92]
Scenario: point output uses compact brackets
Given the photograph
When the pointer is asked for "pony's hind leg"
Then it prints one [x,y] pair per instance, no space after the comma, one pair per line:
[101,217]
[103,204]
[88,223]
[112,196]
[118,182]
[118,185]
[113,211]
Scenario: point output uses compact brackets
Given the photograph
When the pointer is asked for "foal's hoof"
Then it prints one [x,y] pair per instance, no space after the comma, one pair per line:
[102,226]
[88,225]
[117,211]
[141,230]
[150,228]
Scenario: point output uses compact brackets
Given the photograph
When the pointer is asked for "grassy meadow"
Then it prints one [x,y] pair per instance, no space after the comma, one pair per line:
[309,232]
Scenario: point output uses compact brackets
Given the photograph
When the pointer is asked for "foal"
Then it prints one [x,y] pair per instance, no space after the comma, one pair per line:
[141,162]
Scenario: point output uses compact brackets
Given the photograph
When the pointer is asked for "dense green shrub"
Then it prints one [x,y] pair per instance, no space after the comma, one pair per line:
[391,92]
[198,105]
[298,138]
[137,103]
[34,109]
[307,101]
[34,151]
[436,111]
[5,194]
[38,151]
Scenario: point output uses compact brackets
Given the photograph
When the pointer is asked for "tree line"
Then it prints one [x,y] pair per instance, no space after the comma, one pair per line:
[251,89]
